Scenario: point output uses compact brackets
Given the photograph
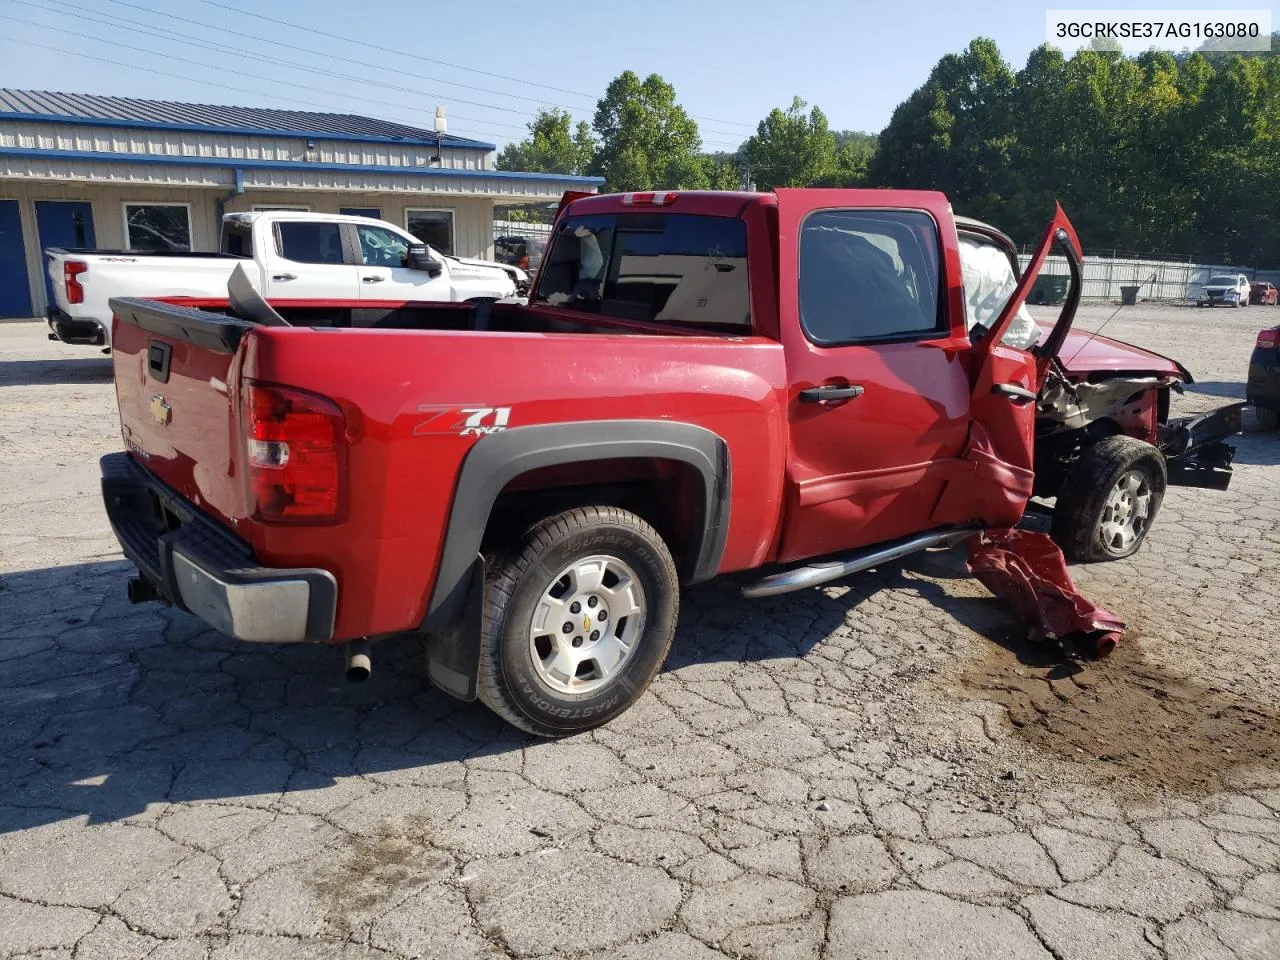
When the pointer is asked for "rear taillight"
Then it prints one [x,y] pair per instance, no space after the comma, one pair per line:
[524,263]
[1268,339]
[660,198]
[295,455]
[71,269]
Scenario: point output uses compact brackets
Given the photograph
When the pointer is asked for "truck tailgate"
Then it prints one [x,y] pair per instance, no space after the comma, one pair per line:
[177,404]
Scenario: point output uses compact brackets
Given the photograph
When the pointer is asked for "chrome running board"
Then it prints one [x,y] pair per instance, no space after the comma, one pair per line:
[828,570]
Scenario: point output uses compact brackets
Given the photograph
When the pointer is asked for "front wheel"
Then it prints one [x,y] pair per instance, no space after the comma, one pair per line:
[1109,500]
[1268,419]
[578,618]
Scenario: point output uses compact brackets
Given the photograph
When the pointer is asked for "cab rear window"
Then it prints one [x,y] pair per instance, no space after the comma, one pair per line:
[682,269]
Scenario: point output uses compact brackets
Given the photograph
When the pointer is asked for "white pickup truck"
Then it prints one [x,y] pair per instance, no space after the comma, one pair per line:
[295,256]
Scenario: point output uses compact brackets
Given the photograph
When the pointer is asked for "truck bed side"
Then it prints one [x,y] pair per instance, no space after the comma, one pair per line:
[405,393]
[417,404]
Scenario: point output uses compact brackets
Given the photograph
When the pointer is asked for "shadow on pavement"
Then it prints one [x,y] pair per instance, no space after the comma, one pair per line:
[1234,389]
[107,708]
[96,369]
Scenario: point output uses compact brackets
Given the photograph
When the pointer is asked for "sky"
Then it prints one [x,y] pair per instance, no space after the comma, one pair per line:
[493,64]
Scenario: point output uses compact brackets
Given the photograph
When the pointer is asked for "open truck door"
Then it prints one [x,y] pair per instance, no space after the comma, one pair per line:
[904,417]
[1007,377]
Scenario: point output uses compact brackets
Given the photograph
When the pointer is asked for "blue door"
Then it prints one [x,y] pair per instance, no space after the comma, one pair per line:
[15,292]
[63,223]
[372,212]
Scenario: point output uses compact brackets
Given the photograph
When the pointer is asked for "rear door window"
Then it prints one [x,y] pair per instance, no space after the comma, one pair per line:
[309,241]
[683,269]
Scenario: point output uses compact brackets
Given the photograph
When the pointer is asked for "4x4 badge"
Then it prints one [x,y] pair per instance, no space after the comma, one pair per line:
[161,410]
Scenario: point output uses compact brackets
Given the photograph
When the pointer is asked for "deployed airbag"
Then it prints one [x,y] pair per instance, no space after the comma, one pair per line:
[988,284]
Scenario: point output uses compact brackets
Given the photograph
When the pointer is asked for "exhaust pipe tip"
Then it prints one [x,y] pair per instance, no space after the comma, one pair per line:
[141,590]
[359,666]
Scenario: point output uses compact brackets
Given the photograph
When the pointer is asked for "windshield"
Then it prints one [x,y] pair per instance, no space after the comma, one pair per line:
[1223,281]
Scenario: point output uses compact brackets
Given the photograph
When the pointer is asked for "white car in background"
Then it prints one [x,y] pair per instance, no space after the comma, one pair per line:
[295,256]
[1229,288]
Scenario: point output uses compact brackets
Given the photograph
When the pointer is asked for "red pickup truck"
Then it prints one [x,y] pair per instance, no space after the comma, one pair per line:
[803,383]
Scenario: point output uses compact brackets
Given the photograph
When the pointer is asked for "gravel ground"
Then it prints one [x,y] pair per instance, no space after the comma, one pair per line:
[878,769]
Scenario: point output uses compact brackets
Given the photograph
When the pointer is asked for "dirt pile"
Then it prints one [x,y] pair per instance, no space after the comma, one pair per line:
[1132,724]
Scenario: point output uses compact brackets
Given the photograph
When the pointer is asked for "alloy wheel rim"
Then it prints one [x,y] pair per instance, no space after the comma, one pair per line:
[1126,513]
[586,624]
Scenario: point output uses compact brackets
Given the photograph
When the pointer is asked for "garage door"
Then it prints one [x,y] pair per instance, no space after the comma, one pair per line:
[15,292]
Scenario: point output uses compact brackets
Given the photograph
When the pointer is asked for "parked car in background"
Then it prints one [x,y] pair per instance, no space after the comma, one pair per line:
[812,382]
[294,256]
[1231,289]
[1263,386]
[520,251]
[1264,293]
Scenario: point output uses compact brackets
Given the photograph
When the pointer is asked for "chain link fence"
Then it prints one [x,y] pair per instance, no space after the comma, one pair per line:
[1157,278]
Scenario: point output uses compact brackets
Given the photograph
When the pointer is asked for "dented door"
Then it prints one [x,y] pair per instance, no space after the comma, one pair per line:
[1000,452]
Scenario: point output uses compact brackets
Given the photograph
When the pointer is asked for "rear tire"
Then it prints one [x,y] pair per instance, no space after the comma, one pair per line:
[1268,419]
[1109,500]
[579,615]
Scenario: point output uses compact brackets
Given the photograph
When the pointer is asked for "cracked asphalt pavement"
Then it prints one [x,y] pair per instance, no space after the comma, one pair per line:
[884,768]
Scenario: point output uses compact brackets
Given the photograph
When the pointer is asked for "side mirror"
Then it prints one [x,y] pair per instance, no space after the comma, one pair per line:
[419,258]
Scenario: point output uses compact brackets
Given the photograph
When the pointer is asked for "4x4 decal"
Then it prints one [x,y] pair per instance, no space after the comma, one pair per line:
[470,421]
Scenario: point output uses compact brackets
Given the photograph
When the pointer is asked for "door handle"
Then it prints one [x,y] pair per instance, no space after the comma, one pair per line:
[831,391]
[373,279]
[1014,392]
[285,276]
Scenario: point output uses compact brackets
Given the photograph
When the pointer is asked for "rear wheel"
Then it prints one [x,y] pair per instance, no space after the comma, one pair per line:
[578,618]
[1109,500]
[1268,419]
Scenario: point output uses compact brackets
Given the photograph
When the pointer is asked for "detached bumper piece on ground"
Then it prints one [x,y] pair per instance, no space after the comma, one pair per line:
[1027,570]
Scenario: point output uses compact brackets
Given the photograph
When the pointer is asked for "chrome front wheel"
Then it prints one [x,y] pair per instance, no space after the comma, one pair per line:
[1125,513]
[585,626]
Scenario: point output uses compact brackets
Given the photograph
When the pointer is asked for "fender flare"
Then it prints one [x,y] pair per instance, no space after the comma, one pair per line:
[497,459]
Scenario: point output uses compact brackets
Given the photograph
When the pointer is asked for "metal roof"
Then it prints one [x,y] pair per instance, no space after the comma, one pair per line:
[169,115]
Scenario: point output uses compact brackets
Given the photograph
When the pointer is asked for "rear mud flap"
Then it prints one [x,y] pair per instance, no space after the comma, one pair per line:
[1196,450]
[1027,570]
[453,654]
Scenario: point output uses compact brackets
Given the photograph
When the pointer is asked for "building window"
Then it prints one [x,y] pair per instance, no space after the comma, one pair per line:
[306,241]
[289,208]
[433,227]
[161,227]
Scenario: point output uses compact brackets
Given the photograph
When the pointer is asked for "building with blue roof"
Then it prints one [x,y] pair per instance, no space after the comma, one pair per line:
[81,170]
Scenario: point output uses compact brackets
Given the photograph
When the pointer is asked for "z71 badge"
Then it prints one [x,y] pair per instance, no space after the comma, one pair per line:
[472,421]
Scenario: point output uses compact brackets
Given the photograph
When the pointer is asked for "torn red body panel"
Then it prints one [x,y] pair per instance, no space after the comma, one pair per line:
[1027,570]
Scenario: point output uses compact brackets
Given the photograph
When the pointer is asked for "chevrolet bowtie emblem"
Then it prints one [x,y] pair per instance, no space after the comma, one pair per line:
[161,410]
[586,623]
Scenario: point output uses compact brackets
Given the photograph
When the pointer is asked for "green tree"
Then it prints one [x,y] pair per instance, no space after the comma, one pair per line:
[955,133]
[554,145]
[792,148]
[854,151]
[1156,153]
[724,171]
[647,140]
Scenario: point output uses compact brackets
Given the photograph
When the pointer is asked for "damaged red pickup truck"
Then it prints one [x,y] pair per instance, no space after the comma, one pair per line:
[803,383]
